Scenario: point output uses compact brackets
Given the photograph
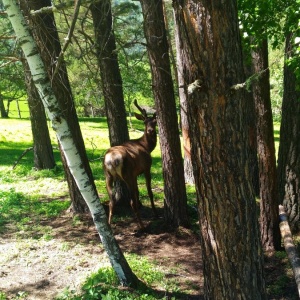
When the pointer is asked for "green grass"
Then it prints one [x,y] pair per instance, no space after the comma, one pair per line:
[28,196]
[25,212]
[104,284]
[15,138]
[276,136]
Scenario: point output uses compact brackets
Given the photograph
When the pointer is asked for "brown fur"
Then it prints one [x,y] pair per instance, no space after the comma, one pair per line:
[128,161]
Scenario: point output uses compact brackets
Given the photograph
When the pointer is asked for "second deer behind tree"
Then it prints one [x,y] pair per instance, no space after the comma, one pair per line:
[128,161]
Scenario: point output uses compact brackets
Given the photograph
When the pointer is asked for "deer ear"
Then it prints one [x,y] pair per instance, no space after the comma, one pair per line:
[139,117]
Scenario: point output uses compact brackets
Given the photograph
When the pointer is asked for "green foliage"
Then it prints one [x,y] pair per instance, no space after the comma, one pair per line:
[276,81]
[260,20]
[272,20]
[12,85]
[133,59]
[19,296]
[279,285]
[82,63]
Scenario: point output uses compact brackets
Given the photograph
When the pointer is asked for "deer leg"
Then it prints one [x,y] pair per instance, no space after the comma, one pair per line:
[150,193]
[134,193]
[109,188]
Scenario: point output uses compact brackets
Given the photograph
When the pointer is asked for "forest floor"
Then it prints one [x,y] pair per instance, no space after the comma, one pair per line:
[41,269]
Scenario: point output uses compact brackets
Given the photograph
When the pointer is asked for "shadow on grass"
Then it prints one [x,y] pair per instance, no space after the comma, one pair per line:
[276,135]
[10,152]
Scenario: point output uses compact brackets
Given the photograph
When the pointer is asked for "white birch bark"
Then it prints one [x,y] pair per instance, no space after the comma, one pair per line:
[64,135]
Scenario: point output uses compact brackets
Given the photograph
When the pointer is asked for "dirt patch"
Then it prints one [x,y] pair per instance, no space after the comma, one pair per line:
[43,268]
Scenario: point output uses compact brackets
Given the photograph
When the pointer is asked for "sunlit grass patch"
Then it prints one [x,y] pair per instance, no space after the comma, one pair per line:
[104,283]
[19,209]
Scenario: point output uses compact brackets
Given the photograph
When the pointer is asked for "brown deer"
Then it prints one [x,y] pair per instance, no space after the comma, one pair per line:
[129,160]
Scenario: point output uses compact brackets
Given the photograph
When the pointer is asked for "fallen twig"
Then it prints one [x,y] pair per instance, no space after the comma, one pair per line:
[20,157]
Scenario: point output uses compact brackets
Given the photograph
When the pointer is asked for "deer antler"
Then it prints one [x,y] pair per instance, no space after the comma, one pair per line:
[142,110]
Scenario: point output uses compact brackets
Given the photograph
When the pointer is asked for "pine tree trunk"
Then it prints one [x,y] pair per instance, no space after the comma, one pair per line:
[175,205]
[42,148]
[289,149]
[2,108]
[67,142]
[210,50]
[252,132]
[269,215]
[111,84]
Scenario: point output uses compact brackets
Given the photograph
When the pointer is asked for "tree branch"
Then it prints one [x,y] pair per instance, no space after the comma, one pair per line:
[68,37]
[55,8]
[194,86]
[20,157]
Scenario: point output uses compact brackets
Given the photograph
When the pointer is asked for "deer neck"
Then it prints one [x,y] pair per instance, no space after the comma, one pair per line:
[149,142]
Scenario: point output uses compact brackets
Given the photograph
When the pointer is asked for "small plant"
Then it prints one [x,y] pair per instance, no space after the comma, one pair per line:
[66,294]
[279,285]
[76,220]
[21,295]
[65,246]
[281,254]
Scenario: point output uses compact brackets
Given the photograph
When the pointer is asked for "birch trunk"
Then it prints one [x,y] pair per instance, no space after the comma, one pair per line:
[66,140]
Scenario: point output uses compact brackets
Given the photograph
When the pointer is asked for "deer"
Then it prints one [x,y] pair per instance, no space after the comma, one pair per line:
[129,160]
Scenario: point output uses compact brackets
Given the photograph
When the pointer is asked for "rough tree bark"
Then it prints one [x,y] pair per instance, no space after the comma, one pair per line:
[67,141]
[2,108]
[289,149]
[42,148]
[210,49]
[111,83]
[175,204]
[109,71]
[269,216]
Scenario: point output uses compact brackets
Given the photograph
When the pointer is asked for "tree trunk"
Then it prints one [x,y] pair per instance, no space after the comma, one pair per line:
[45,33]
[67,141]
[175,204]
[289,149]
[2,108]
[210,50]
[269,216]
[188,167]
[42,148]
[111,83]
[252,132]
[18,109]
[110,72]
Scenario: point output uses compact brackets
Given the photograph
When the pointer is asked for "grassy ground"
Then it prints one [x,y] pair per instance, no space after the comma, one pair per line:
[36,229]
[33,201]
